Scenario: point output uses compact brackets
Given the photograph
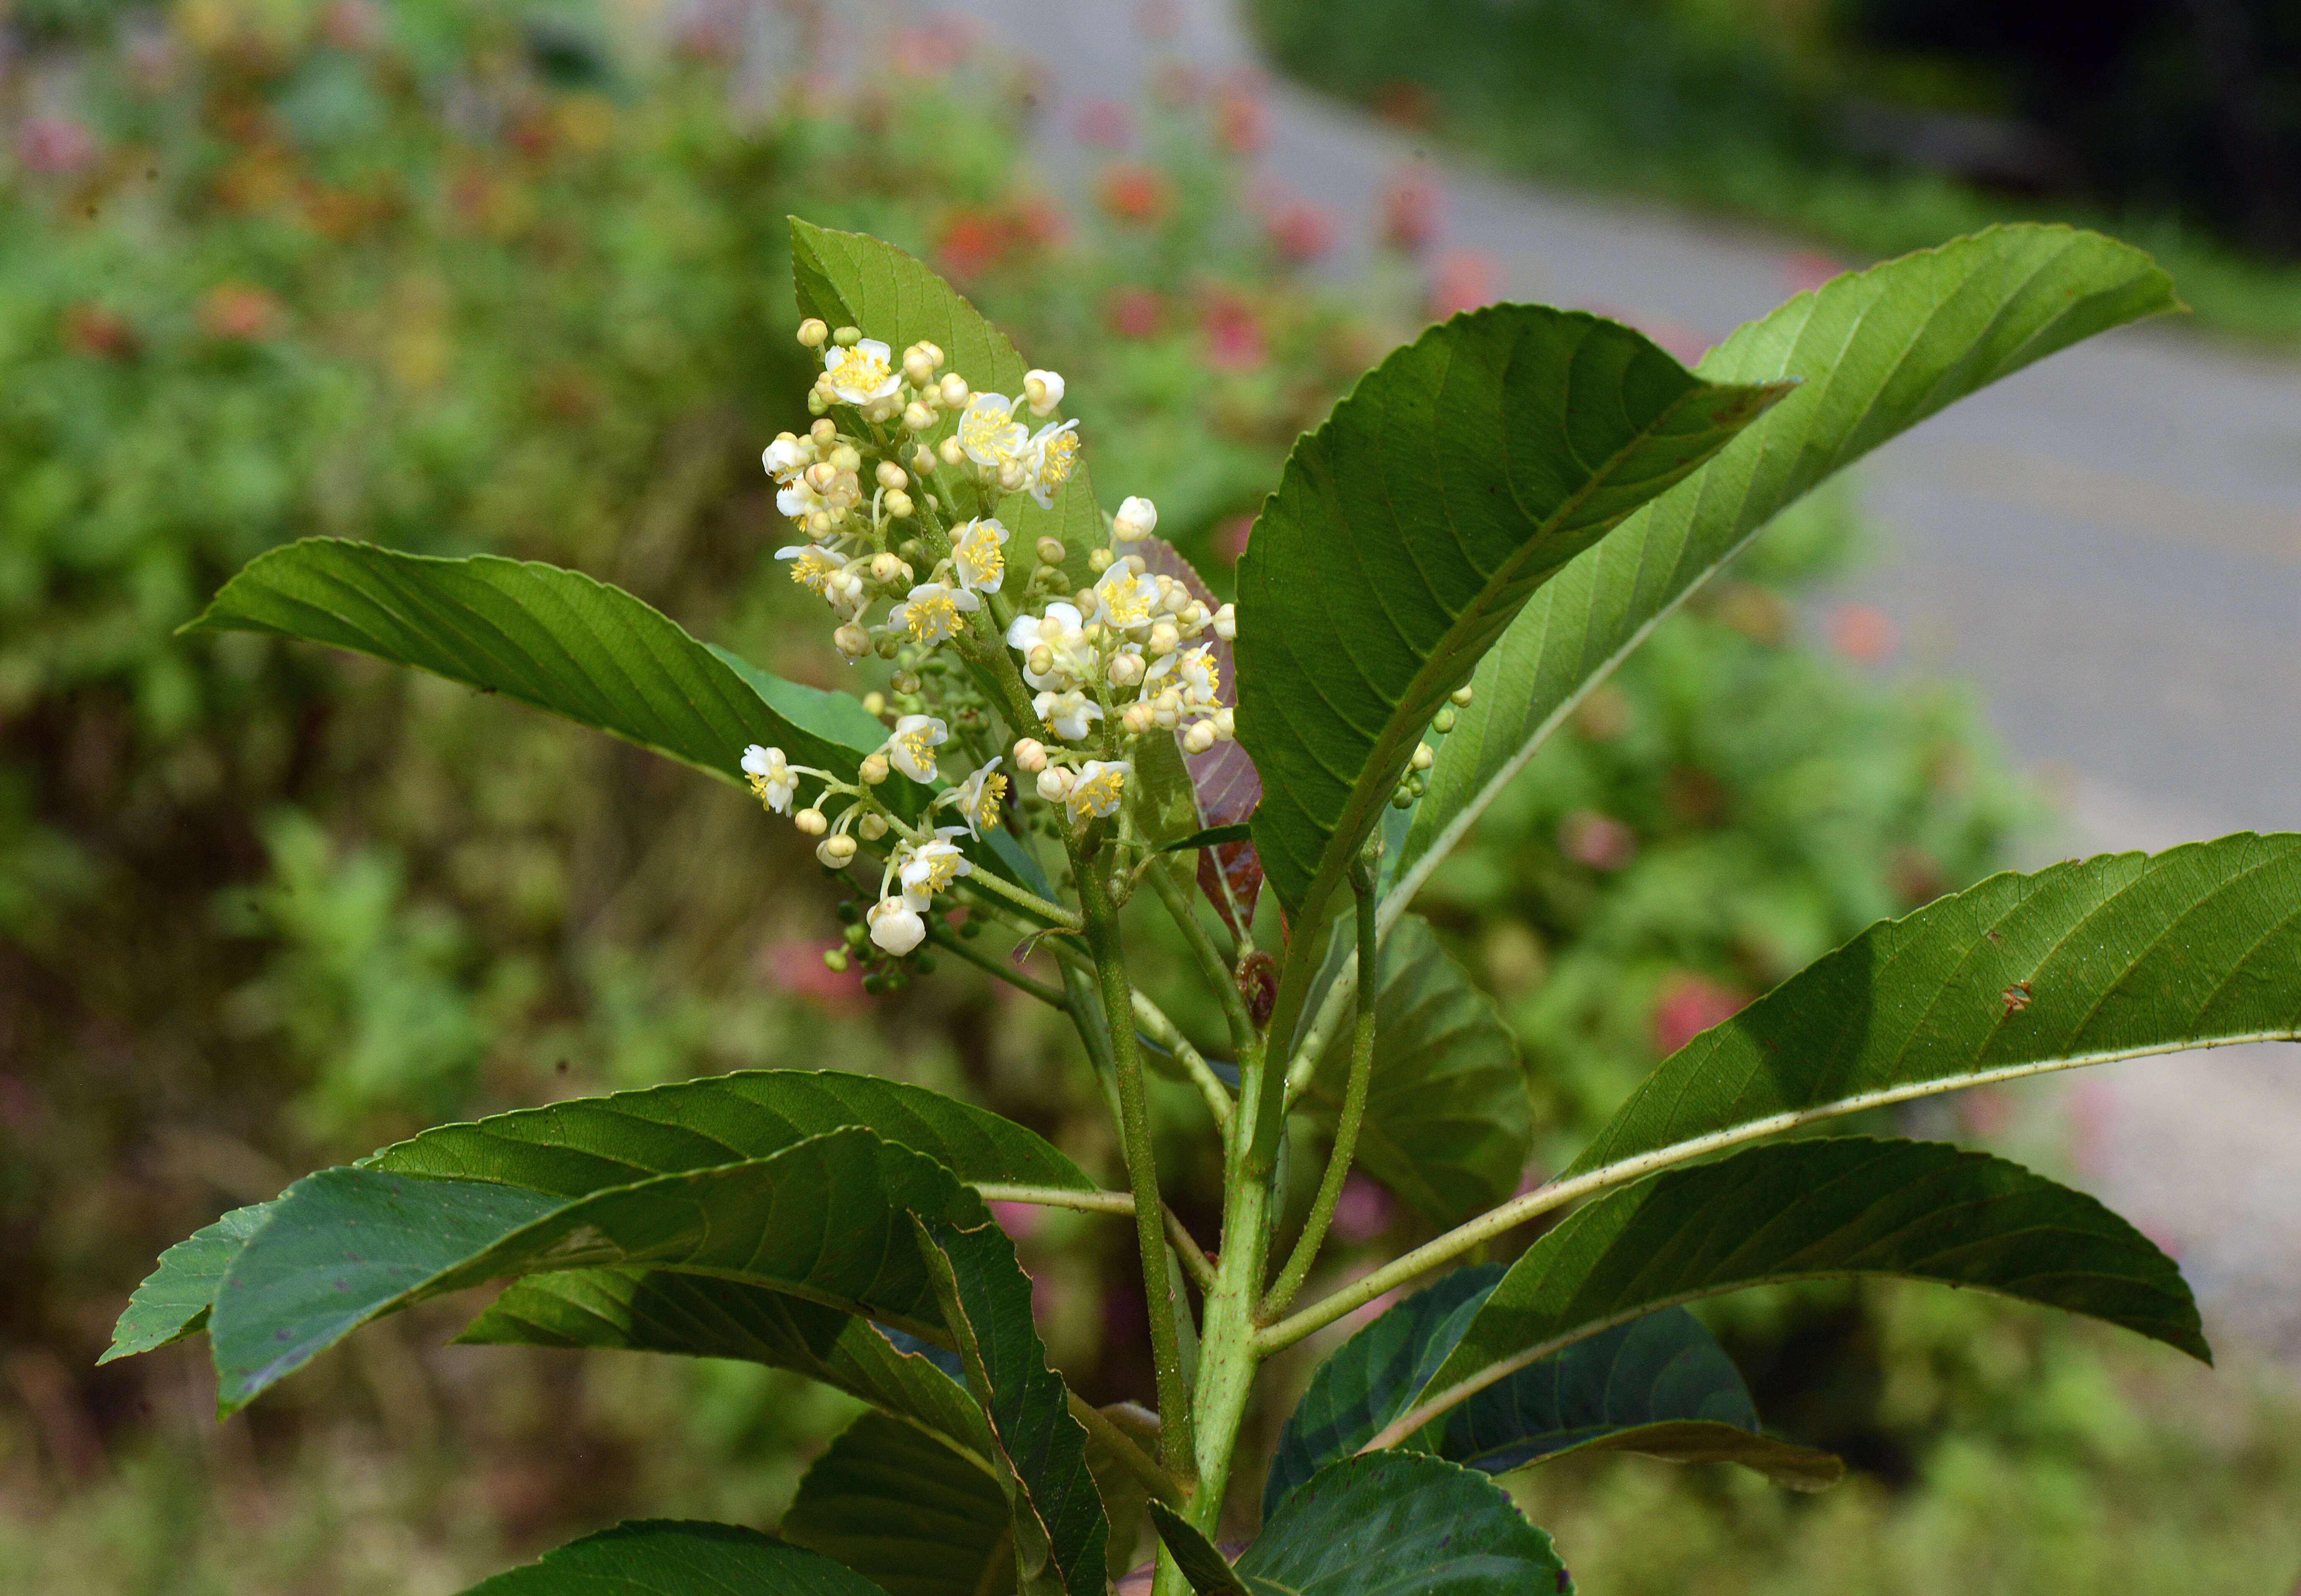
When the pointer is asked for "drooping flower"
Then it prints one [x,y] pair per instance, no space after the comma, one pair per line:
[912,749]
[977,799]
[1101,785]
[930,612]
[1051,453]
[863,375]
[896,927]
[787,456]
[815,566]
[1068,715]
[770,777]
[978,550]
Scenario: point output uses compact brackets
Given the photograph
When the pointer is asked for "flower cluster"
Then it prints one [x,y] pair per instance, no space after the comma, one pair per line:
[881,492]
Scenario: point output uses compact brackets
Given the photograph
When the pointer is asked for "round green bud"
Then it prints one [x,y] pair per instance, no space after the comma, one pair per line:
[1443,721]
[835,959]
[847,337]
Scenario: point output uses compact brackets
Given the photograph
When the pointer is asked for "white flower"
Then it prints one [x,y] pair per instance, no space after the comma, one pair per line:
[978,549]
[1044,389]
[1194,675]
[896,927]
[1100,784]
[989,435]
[862,375]
[930,612]
[911,750]
[1136,519]
[844,591]
[1062,632]
[798,499]
[1054,781]
[1125,601]
[1048,459]
[978,797]
[787,456]
[930,868]
[816,567]
[770,777]
[1066,714]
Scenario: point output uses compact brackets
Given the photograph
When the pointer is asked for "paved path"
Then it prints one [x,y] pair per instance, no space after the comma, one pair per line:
[2107,546]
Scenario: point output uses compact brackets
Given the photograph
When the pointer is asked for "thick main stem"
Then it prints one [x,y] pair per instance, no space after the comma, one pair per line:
[1177,1451]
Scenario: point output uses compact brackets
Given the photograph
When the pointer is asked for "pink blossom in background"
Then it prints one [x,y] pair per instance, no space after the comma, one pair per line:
[1986,1110]
[351,24]
[1809,270]
[1130,191]
[54,144]
[1683,342]
[1020,1220]
[1688,1004]
[1302,231]
[1598,841]
[1865,635]
[931,49]
[1235,342]
[1105,125]
[1362,1212]
[1242,119]
[1133,312]
[239,312]
[2091,1106]
[1230,536]
[1463,280]
[1177,82]
[1410,206]
[797,970]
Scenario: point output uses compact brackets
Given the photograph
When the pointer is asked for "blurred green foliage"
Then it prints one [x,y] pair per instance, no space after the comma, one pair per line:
[1871,126]
[455,276]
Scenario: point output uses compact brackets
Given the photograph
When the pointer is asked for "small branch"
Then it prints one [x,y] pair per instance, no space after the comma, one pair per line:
[1163,1030]
[1305,1062]
[1354,1100]
[1059,1197]
[1220,976]
[1031,902]
[1131,1457]
[998,969]
[1196,1264]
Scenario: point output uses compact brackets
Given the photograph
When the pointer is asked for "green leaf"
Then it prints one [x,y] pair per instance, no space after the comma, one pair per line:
[2085,961]
[1879,352]
[1373,1377]
[1405,534]
[586,1144]
[1210,837]
[701,1315]
[1448,1125]
[549,638]
[1060,1530]
[1124,1496]
[905,1511]
[1659,1385]
[1201,1562]
[854,279]
[824,1219]
[1805,1210]
[1397,1522]
[173,1300]
[666,1558]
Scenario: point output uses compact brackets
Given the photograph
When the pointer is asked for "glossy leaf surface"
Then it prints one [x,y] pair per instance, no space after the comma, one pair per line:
[1405,534]
[827,1219]
[551,639]
[1448,1125]
[1804,1210]
[906,1512]
[2085,961]
[668,1558]
[1879,352]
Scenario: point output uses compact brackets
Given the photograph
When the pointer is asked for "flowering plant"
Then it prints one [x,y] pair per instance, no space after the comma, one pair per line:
[1494,517]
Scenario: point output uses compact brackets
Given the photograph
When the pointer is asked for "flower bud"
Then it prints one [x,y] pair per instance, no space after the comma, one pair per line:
[1099,561]
[835,959]
[1459,697]
[825,433]
[816,404]
[1012,475]
[875,702]
[820,475]
[1164,638]
[1225,723]
[935,353]
[1139,718]
[1050,550]
[904,681]
[813,821]
[952,455]
[836,852]
[1054,782]
[1443,721]
[872,827]
[875,769]
[1136,519]
[918,369]
[891,475]
[851,640]
[1030,756]
[847,337]
[1199,739]
[813,333]
[899,504]
[1424,757]
[1043,389]
[846,457]
[954,393]
[923,463]
[1226,624]
[917,417]
[1126,670]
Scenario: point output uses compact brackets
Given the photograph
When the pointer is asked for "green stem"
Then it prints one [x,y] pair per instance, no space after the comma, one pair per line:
[1176,1448]
[1220,976]
[942,936]
[1130,1457]
[1354,1101]
[1163,1030]
[986,882]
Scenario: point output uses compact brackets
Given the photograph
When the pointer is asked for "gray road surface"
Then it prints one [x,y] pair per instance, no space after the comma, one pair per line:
[2107,546]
